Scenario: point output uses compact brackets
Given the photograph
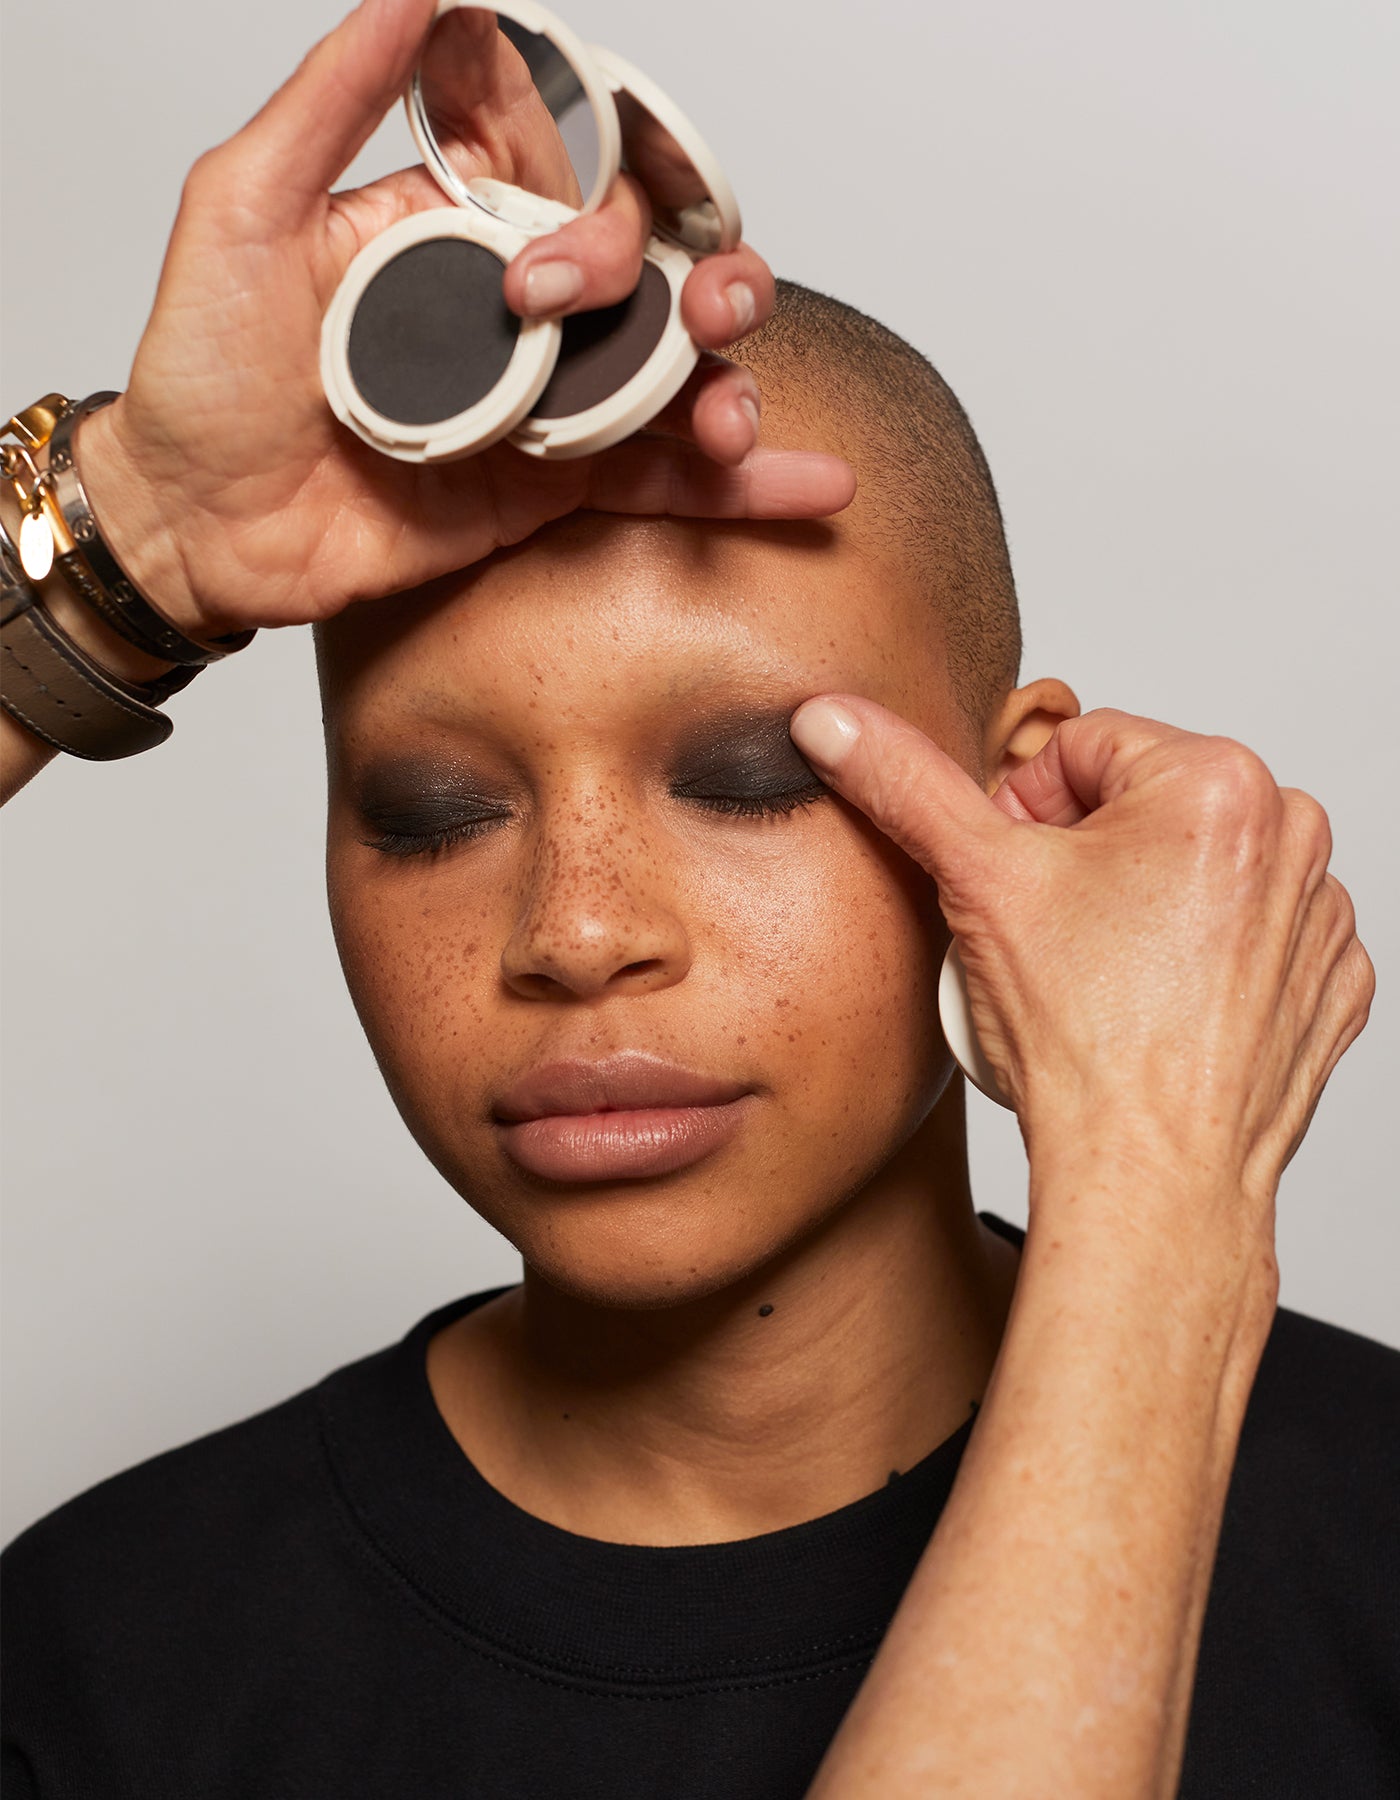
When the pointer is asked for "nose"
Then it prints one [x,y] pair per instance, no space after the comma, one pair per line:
[597,916]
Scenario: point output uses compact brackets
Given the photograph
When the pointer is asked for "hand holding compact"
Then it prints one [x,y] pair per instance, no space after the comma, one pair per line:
[1154,946]
[236,499]
[525,129]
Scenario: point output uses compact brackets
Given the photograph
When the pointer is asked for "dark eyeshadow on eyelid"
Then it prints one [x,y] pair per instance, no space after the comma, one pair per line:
[750,752]
[425,815]
[409,797]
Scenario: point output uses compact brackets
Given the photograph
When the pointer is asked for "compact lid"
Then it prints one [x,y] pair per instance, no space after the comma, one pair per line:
[692,201]
[473,58]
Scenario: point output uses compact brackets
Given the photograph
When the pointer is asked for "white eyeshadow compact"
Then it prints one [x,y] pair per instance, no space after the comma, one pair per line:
[955,1016]
[420,355]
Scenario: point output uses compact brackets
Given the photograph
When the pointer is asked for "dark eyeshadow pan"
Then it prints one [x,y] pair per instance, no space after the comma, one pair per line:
[432,333]
[603,350]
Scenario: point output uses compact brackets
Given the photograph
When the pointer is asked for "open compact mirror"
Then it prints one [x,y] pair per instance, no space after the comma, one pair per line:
[420,355]
[522,128]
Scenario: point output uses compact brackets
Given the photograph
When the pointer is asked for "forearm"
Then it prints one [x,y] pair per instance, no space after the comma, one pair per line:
[1047,1641]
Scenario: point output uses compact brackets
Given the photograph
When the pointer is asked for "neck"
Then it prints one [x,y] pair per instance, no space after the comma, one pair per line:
[712,1420]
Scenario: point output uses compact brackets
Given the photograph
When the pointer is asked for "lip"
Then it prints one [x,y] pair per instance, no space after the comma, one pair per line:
[629,1081]
[623,1117]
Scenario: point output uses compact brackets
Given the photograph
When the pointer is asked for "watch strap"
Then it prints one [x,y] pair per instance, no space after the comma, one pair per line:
[63,697]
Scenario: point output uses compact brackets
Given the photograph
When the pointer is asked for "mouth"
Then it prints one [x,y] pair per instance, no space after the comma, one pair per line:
[623,1118]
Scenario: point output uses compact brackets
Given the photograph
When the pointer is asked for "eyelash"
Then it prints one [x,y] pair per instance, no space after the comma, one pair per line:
[770,806]
[756,806]
[433,843]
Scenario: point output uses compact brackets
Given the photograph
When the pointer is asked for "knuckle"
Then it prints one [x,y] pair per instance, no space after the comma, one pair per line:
[628,196]
[620,227]
[1242,768]
[1126,737]
[1343,908]
[1310,824]
[205,178]
[1362,974]
[1100,721]
[1233,783]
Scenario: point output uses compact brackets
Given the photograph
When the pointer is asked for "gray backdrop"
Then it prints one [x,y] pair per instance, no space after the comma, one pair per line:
[1150,246]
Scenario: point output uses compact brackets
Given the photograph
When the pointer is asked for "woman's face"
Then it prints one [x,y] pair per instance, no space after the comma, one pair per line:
[567,823]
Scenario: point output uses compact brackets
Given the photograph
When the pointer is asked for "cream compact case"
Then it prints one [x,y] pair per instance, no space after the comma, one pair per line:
[420,355]
[959,1032]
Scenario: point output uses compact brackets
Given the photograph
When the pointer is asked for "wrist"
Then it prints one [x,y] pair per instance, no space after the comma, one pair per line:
[127,503]
[1155,1225]
[106,648]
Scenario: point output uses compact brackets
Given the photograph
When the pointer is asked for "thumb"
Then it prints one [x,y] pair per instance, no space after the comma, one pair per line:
[917,795]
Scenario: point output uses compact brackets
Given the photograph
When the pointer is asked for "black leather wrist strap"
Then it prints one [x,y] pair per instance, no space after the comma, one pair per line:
[62,696]
[94,573]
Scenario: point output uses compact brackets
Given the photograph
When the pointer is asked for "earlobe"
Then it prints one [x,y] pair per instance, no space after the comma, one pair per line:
[1024,724]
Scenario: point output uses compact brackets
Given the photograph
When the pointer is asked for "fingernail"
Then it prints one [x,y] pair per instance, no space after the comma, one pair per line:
[551,286]
[824,732]
[742,305]
[748,406]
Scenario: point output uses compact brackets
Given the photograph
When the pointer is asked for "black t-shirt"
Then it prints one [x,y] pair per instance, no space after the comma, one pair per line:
[328,1602]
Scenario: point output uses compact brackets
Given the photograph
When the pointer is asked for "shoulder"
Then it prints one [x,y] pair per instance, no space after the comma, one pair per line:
[165,1523]
[138,1613]
[108,1624]
[256,1501]
[154,1552]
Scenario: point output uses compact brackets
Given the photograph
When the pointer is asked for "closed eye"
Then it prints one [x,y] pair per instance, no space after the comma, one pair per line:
[427,827]
[753,806]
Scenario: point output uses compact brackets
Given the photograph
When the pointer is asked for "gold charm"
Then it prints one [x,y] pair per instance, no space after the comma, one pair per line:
[35,546]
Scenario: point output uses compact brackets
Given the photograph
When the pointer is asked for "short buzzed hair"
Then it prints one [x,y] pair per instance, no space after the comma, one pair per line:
[924,478]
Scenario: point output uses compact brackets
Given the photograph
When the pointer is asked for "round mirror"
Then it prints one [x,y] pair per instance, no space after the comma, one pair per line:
[691,200]
[495,100]
[680,202]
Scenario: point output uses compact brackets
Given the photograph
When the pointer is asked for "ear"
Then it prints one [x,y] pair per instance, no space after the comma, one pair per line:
[1023,724]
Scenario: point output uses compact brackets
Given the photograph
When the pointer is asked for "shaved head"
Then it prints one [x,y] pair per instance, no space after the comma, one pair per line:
[834,379]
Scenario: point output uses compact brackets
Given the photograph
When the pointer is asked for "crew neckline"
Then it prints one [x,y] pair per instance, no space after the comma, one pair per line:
[746,1611]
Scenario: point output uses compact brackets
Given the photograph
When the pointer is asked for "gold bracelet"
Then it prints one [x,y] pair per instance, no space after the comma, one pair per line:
[59,525]
[43,532]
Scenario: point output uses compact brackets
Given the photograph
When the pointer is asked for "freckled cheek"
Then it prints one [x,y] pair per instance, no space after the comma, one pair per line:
[830,958]
[421,958]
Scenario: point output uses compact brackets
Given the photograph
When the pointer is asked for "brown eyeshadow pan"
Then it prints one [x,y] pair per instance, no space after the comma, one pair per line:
[603,350]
